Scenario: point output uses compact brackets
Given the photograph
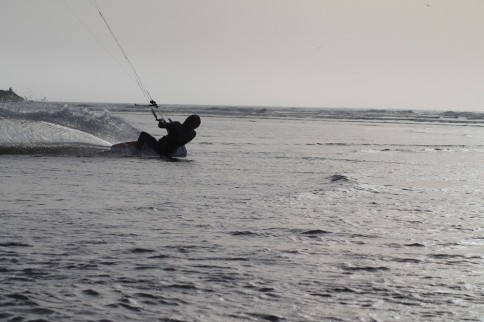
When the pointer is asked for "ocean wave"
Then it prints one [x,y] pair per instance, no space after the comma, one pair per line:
[342,114]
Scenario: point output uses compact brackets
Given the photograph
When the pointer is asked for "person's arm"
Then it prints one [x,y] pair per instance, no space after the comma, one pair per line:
[191,135]
[187,137]
[169,126]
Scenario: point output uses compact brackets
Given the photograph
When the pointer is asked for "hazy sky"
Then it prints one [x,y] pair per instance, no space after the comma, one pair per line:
[411,54]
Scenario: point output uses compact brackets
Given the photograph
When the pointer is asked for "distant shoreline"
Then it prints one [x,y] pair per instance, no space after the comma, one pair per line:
[171,106]
[10,96]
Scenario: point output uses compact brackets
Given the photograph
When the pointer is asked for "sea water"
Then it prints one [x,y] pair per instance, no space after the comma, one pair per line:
[275,215]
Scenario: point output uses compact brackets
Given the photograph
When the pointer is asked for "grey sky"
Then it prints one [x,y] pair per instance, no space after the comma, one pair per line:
[324,53]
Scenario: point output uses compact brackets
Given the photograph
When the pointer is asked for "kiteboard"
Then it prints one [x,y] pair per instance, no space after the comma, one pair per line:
[130,149]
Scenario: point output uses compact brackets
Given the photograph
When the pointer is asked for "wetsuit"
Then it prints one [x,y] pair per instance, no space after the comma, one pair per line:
[177,136]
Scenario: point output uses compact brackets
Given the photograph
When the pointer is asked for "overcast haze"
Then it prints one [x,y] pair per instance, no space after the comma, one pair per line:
[409,54]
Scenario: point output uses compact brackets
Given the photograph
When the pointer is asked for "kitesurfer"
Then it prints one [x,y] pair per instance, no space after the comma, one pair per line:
[178,135]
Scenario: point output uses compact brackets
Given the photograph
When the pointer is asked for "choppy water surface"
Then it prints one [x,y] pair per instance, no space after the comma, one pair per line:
[273,216]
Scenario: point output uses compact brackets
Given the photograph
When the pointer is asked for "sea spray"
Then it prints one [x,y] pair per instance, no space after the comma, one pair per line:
[29,125]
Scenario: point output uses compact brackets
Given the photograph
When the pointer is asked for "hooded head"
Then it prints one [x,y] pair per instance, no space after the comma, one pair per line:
[192,122]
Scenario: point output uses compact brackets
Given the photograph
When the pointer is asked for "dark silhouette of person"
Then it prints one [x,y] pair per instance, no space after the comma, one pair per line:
[178,135]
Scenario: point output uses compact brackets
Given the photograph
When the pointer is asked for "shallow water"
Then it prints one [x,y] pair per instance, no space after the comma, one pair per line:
[268,219]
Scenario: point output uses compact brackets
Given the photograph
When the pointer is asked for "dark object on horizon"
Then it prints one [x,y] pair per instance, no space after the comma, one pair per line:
[9,96]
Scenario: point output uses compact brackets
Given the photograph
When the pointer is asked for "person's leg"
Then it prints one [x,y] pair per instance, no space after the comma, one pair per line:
[148,139]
